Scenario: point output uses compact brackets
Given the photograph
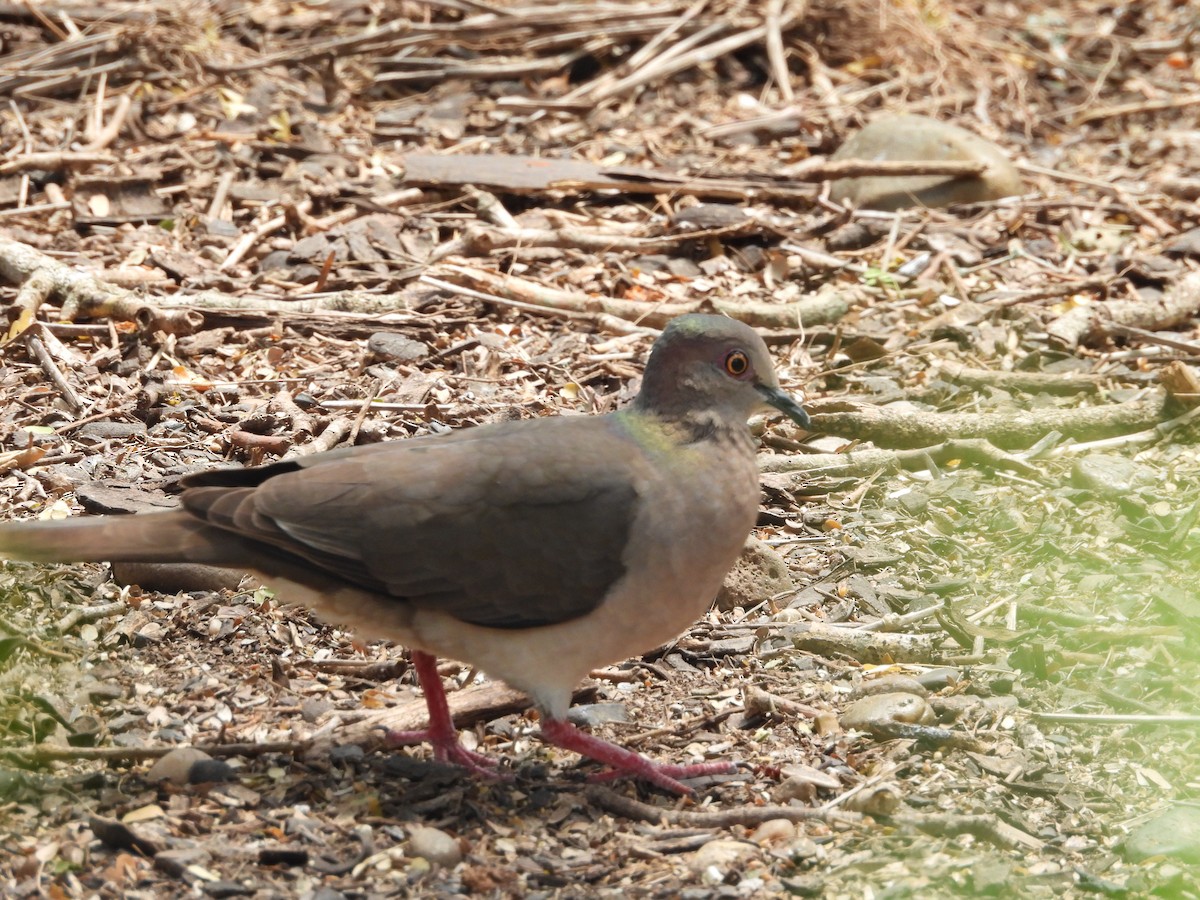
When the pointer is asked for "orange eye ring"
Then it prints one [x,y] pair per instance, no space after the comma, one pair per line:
[737,363]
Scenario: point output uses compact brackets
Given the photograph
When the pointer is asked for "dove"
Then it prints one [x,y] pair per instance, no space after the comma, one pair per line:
[535,550]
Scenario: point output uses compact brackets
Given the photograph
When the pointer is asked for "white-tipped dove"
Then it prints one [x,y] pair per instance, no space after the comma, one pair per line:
[534,550]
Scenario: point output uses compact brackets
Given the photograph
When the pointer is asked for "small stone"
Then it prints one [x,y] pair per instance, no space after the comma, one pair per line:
[108,431]
[920,138]
[803,847]
[211,771]
[150,633]
[434,845]
[313,708]
[826,722]
[794,789]
[683,268]
[878,800]
[1186,244]
[705,216]
[347,753]
[589,715]
[890,684]
[84,731]
[800,782]
[882,710]
[936,679]
[774,832]
[146,813]
[387,345]
[220,227]
[720,854]
[176,862]
[226,889]
[804,885]
[103,691]
[189,765]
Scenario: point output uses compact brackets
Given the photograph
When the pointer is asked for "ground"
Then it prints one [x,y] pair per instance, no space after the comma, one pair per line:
[963,659]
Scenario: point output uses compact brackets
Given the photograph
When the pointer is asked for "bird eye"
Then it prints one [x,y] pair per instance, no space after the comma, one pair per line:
[737,363]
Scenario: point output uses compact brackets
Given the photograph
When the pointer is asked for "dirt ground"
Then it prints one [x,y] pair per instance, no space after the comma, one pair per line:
[964,660]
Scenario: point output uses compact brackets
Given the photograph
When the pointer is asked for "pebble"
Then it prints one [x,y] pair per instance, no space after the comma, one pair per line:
[802,782]
[889,684]
[936,679]
[396,347]
[803,847]
[774,832]
[188,765]
[879,800]
[719,854]
[434,845]
[175,862]
[881,710]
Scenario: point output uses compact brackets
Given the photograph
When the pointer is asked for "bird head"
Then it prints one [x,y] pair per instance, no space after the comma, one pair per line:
[704,363]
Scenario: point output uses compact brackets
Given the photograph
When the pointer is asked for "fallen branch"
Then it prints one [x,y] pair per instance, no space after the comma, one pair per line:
[1131,109]
[1134,439]
[870,647]
[44,753]
[1025,382]
[37,349]
[468,707]
[864,463]
[1018,428]
[819,309]
[985,827]
[1096,321]
[479,240]
[86,295]
[627,807]
[82,615]
[762,703]
[819,169]
[55,161]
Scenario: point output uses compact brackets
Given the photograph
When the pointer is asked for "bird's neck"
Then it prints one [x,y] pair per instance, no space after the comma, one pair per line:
[666,431]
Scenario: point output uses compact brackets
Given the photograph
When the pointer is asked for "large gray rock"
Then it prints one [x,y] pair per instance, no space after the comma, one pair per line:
[919,138]
[1175,834]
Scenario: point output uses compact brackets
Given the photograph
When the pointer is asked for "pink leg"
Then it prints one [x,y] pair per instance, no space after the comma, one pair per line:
[565,735]
[440,733]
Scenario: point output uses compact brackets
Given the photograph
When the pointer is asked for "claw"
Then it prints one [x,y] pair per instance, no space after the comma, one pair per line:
[626,762]
[441,733]
[447,748]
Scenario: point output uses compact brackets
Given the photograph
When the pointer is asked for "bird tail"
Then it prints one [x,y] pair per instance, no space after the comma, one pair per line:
[156,537]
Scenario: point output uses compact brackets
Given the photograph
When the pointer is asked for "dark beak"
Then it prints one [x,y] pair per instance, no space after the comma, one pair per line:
[786,405]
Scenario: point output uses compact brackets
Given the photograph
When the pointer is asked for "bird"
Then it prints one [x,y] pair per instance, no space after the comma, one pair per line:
[533,550]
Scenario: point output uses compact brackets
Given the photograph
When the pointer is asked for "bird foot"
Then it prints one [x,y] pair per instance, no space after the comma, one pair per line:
[441,733]
[449,749]
[626,762]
